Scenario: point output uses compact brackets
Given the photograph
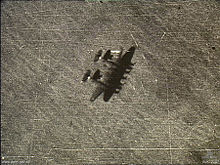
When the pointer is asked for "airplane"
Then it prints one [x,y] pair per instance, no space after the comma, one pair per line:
[113,83]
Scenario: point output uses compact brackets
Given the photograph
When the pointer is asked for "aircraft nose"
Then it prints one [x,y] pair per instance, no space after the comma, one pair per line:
[132,49]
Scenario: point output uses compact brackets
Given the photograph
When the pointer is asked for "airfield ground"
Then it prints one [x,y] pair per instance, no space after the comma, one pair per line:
[166,113]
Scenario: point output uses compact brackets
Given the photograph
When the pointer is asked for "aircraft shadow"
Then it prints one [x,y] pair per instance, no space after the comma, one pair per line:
[117,73]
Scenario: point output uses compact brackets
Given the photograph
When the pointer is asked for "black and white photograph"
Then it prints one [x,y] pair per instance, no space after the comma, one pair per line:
[110,82]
